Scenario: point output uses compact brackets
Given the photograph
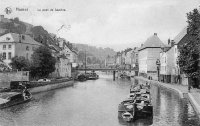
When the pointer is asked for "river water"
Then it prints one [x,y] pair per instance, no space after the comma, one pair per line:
[95,103]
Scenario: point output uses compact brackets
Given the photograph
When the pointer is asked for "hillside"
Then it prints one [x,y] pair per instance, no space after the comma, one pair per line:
[94,54]
[99,53]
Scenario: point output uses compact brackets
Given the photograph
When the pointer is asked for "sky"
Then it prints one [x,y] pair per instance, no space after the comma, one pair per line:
[117,24]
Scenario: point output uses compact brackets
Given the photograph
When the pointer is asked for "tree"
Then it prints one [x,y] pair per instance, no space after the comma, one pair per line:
[81,56]
[16,20]
[89,61]
[188,59]
[20,63]
[43,63]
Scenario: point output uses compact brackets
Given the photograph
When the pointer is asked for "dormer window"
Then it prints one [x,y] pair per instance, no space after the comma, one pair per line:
[7,38]
[27,48]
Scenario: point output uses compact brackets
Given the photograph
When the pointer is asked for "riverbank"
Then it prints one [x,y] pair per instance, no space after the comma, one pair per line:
[46,86]
[193,96]
[37,87]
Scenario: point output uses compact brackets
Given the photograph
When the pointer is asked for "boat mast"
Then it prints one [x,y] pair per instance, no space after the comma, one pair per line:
[85,61]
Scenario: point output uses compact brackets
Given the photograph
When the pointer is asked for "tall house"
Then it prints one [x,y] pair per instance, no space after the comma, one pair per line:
[68,50]
[148,54]
[12,44]
[169,68]
[134,57]
[118,59]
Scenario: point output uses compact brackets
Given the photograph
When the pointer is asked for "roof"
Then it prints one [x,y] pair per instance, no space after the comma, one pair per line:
[14,37]
[127,50]
[136,49]
[152,42]
[178,38]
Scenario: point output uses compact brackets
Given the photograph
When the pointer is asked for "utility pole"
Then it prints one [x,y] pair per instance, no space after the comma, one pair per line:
[158,68]
[85,61]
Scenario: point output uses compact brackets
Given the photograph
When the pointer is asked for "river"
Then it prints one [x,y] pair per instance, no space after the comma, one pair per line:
[95,103]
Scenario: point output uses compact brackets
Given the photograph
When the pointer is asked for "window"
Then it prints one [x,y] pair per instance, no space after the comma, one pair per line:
[9,46]
[23,37]
[4,47]
[26,55]
[27,48]
[9,55]
[4,55]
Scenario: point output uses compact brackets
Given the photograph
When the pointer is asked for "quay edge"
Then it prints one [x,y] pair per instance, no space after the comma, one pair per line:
[186,95]
[181,94]
[194,104]
[49,87]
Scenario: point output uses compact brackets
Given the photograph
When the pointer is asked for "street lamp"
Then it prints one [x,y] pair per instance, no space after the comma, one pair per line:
[158,68]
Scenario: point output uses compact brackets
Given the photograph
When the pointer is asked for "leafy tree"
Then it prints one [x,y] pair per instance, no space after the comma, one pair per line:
[16,20]
[1,57]
[81,56]
[89,61]
[43,63]
[188,59]
[20,63]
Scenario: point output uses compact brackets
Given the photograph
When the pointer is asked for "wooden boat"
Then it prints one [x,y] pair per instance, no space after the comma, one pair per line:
[138,103]
[8,99]
[143,108]
[127,116]
[92,76]
[124,76]
[81,77]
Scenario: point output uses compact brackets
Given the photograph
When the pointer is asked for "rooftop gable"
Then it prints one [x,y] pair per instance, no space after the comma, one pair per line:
[152,42]
[180,35]
[14,37]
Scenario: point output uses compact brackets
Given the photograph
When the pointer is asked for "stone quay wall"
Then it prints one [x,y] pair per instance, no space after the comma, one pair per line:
[7,77]
[53,86]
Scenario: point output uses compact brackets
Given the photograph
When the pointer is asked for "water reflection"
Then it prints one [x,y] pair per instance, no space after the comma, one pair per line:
[95,103]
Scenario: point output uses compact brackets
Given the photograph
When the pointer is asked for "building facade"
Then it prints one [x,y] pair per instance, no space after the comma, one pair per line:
[170,72]
[148,54]
[12,44]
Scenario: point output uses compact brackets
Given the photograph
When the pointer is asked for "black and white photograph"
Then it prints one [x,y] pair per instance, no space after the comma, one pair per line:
[99,62]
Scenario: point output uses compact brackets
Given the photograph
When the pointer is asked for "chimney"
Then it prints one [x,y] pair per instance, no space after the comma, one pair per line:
[187,30]
[141,45]
[172,43]
[1,17]
[168,41]
[155,34]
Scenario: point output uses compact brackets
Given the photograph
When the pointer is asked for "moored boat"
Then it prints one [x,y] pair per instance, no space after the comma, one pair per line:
[138,102]
[127,116]
[92,76]
[8,99]
[81,77]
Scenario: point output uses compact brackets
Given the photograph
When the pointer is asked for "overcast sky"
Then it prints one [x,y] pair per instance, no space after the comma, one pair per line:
[106,23]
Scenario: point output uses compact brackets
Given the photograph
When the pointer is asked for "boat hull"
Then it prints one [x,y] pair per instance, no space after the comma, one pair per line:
[13,103]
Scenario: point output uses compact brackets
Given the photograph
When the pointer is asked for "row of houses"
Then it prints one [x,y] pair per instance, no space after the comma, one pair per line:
[13,44]
[155,59]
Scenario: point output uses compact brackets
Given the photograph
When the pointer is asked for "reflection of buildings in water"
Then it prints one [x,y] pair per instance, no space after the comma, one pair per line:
[188,115]
[138,122]
[135,81]
[156,101]
[170,103]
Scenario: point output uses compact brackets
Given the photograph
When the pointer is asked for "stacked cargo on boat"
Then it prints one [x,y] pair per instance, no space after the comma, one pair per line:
[137,104]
